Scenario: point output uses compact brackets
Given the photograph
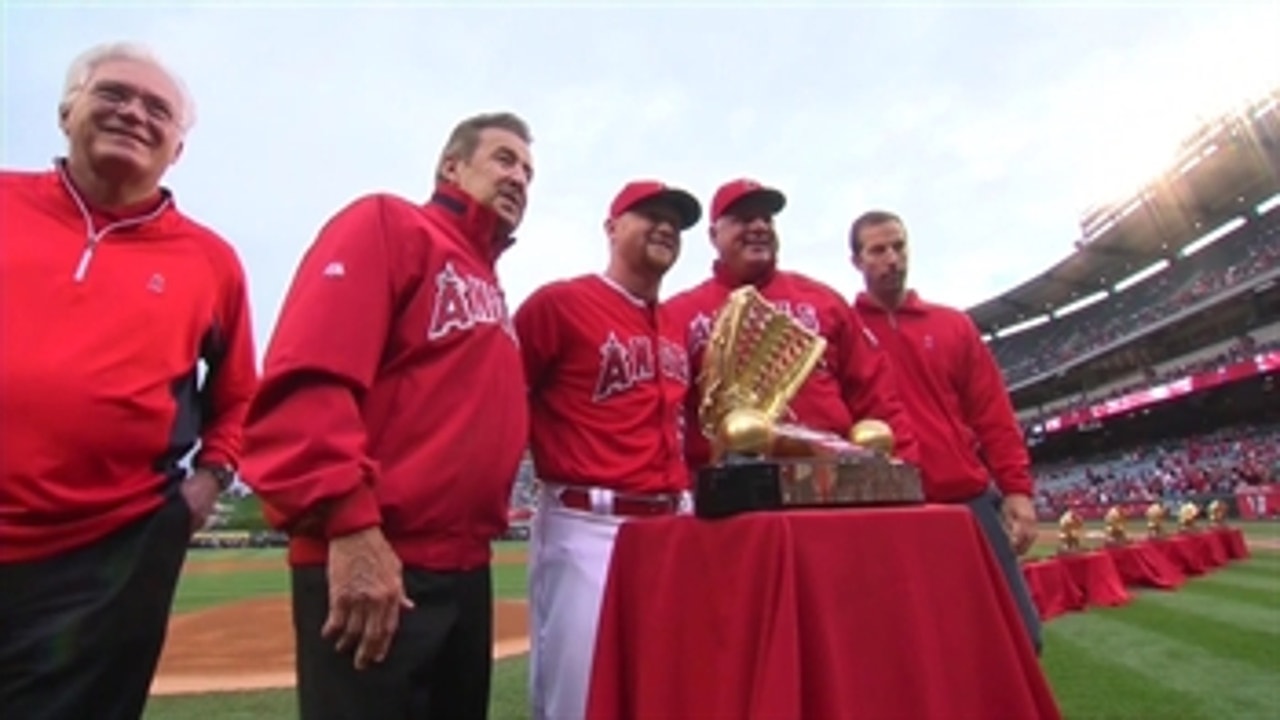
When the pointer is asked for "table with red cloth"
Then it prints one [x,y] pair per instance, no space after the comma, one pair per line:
[1232,540]
[833,613]
[1143,564]
[1053,591]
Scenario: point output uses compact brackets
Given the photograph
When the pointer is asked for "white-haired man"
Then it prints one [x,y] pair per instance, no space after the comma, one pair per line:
[111,303]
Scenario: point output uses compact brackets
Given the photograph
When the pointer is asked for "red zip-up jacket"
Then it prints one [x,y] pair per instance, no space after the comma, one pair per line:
[104,322]
[607,380]
[851,383]
[955,395]
[392,392]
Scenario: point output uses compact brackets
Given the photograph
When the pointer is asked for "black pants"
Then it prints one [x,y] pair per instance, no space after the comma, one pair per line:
[81,632]
[986,508]
[440,661]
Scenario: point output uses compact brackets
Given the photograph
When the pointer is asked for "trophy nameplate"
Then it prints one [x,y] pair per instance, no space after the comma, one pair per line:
[756,360]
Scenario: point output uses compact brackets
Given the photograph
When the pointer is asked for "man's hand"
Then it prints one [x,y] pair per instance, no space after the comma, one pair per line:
[1020,520]
[366,594]
[200,491]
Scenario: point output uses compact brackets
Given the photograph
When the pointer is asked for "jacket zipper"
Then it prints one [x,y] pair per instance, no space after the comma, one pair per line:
[94,236]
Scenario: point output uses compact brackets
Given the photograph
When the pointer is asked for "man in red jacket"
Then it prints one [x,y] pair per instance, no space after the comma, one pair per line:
[607,377]
[388,432]
[956,398]
[851,383]
[110,301]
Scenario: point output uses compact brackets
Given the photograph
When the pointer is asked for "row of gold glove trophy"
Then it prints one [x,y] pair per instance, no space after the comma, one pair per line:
[1071,524]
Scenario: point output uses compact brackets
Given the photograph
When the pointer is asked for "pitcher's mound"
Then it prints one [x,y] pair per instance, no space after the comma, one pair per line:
[248,645]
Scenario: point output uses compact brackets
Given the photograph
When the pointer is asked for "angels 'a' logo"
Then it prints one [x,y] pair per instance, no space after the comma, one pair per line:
[699,333]
[804,313]
[623,365]
[464,301]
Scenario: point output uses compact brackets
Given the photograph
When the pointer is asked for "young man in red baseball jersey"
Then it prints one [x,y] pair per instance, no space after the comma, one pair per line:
[607,378]
[953,391]
[110,301]
[851,383]
[388,432]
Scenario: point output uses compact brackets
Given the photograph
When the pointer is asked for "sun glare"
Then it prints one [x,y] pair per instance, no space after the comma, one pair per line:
[1154,103]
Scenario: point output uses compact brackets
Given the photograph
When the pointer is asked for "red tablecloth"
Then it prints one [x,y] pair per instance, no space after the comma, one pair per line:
[895,612]
[1052,589]
[1213,550]
[1144,564]
[1232,541]
[1096,576]
[1185,551]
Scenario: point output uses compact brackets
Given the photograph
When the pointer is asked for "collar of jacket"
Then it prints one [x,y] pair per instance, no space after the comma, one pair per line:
[911,303]
[479,224]
[64,190]
[721,272]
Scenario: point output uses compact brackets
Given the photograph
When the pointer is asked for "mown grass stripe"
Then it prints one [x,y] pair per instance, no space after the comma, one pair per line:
[1172,650]
[1225,589]
[1098,685]
[1245,617]
[1213,636]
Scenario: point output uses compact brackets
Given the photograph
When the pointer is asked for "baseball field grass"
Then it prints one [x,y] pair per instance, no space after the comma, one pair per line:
[1210,650]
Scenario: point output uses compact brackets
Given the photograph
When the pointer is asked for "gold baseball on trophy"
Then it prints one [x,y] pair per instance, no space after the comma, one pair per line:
[874,435]
[746,431]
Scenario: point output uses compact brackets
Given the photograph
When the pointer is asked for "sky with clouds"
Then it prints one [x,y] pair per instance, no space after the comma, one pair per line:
[990,127]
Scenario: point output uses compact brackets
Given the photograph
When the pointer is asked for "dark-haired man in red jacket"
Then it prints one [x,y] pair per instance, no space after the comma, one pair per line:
[388,432]
[851,383]
[954,393]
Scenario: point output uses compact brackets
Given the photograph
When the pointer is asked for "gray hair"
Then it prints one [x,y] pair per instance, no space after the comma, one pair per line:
[83,66]
[465,138]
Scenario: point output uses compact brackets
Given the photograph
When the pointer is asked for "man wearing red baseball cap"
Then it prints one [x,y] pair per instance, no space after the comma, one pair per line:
[607,380]
[851,383]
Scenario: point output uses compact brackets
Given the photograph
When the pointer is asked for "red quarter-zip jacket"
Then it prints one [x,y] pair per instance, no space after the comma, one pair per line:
[105,320]
[392,392]
[955,396]
[851,383]
[607,379]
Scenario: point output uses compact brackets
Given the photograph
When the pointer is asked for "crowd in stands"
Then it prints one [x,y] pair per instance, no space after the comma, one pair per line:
[1245,254]
[1244,348]
[1218,462]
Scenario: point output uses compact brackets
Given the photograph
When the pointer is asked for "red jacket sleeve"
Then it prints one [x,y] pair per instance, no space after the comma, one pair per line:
[232,374]
[868,384]
[537,325]
[306,441]
[989,412]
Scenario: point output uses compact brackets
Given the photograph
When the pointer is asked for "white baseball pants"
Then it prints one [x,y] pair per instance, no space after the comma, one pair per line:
[569,553]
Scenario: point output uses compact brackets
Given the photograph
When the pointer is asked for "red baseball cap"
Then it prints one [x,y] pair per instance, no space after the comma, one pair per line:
[742,188]
[686,205]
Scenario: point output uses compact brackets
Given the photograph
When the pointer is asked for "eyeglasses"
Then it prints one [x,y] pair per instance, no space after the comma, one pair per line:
[119,95]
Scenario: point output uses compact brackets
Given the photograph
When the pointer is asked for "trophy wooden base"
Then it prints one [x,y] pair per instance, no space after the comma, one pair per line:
[744,485]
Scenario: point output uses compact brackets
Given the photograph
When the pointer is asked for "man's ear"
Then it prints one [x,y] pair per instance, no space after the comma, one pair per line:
[64,117]
[177,152]
[449,169]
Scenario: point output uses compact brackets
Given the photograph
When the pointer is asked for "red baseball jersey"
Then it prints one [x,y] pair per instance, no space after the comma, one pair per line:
[392,392]
[850,383]
[953,390]
[607,380]
[105,322]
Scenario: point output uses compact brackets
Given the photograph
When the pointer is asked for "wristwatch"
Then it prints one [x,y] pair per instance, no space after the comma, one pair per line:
[223,474]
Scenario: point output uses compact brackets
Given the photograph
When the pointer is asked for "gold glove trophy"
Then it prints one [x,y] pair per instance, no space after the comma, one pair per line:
[1155,520]
[1187,515]
[1070,532]
[756,360]
[1114,519]
[1217,512]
